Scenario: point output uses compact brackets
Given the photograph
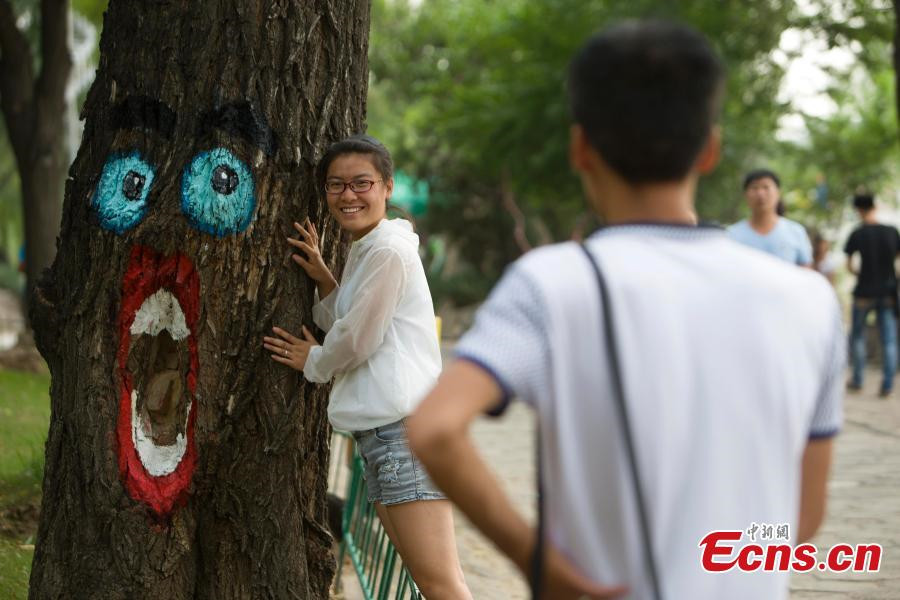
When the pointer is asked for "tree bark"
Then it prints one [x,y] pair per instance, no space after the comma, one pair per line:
[182,462]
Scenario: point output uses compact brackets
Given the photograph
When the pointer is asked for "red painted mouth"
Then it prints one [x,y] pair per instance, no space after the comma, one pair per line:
[157,365]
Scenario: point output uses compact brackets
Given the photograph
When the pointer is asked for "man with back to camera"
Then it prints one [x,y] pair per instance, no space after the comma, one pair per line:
[876,289]
[731,363]
[766,229]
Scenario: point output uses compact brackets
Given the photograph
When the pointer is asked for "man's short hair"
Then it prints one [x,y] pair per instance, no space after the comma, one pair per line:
[864,201]
[757,174]
[647,94]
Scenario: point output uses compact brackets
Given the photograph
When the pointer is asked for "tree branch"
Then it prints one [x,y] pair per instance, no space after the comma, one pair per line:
[509,203]
[56,63]
[16,82]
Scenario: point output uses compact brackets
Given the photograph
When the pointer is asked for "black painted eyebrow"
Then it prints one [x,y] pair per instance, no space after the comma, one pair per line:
[143,112]
[241,119]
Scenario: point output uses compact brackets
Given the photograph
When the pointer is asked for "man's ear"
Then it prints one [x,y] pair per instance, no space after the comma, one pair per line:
[579,149]
[711,153]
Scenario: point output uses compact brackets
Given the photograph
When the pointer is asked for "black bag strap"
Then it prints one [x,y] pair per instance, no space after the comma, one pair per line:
[537,556]
[612,353]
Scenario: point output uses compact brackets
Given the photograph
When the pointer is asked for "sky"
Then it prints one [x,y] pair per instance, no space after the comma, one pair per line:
[805,81]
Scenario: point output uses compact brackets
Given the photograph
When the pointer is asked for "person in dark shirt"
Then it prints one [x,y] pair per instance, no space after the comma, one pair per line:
[876,289]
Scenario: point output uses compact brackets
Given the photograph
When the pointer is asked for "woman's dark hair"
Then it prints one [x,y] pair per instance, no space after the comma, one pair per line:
[356,144]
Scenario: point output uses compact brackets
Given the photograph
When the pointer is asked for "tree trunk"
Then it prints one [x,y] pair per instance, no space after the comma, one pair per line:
[182,462]
[42,192]
[34,110]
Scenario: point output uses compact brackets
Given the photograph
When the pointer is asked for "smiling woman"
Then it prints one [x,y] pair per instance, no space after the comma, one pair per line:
[382,352]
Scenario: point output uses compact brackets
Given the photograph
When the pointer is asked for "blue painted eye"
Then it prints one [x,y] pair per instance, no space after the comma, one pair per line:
[121,196]
[217,193]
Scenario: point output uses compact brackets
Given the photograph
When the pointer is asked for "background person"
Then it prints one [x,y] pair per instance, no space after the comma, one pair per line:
[876,289]
[823,261]
[766,230]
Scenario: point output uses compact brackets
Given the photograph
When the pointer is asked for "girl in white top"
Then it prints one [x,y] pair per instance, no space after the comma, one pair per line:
[381,348]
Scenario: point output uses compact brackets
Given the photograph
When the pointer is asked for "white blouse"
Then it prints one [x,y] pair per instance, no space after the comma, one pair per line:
[381,347]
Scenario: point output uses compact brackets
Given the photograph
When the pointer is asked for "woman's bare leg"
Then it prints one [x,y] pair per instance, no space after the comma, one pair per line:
[424,537]
[388,526]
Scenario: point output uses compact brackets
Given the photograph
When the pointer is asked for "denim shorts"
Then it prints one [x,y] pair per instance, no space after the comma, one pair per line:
[393,475]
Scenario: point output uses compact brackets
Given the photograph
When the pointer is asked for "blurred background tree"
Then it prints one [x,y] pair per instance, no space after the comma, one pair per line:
[855,146]
[470,96]
[44,73]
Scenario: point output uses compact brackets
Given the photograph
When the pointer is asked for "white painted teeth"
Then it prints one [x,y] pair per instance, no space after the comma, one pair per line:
[351,210]
[158,460]
[159,312]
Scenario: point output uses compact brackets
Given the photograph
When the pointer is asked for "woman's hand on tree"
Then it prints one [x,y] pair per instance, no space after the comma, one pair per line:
[289,350]
[312,263]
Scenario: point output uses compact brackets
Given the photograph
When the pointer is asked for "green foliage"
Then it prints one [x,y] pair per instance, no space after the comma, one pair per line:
[464,287]
[92,9]
[470,96]
[856,147]
[852,24]
[11,278]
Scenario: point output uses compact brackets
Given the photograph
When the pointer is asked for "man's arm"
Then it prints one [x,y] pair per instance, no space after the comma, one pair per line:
[816,462]
[439,436]
[850,267]
[826,421]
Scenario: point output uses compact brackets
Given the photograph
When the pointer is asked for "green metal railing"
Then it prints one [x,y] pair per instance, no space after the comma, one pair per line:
[378,567]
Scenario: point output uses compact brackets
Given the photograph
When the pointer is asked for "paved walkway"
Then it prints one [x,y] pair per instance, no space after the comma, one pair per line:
[864,501]
[508,445]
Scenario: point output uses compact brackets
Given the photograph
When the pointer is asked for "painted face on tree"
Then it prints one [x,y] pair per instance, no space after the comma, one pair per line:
[157,362]
[357,194]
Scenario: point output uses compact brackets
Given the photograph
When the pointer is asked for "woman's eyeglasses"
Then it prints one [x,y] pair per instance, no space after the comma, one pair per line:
[357,186]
